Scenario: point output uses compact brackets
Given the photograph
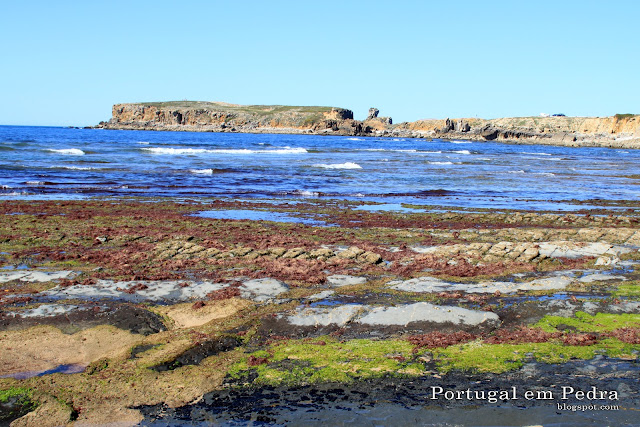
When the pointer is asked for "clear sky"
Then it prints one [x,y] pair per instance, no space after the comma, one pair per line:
[67,62]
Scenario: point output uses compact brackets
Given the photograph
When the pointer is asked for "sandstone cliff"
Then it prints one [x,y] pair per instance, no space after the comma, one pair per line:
[622,131]
[224,117]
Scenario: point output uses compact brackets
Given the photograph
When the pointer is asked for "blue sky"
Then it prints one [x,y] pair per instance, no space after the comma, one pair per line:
[66,63]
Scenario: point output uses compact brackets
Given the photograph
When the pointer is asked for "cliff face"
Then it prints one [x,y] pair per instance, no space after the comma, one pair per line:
[221,117]
[616,131]
[621,131]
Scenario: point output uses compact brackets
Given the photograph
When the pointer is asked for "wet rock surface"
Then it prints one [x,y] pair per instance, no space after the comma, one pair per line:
[284,322]
[199,352]
[422,400]
[72,318]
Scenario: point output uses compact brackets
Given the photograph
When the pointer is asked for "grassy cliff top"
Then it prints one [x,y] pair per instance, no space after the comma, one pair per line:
[224,106]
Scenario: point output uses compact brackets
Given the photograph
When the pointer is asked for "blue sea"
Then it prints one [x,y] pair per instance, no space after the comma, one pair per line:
[65,163]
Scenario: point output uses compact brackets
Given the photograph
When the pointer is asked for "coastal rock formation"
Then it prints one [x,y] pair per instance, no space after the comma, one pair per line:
[621,130]
[224,117]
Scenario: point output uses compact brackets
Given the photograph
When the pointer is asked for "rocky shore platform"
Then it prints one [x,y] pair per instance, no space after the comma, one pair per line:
[153,312]
[619,131]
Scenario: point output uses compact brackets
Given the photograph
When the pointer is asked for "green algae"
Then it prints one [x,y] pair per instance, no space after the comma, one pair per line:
[326,359]
[583,322]
[499,358]
[16,401]
[628,289]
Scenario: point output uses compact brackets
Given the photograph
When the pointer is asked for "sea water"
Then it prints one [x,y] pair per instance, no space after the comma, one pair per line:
[66,163]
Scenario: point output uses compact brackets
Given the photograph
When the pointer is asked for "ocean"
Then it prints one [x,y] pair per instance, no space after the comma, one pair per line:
[67,163]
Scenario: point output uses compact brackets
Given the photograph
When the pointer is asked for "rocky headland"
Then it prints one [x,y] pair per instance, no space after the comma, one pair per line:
[619,131]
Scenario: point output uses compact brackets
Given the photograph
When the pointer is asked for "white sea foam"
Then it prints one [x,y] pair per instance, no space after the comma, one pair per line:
[545,173]
[68,151]
[202,171]
[306,193]
[80,168]
[196,151]
[5,187]
[463,152]
[390,149]
[355,139]
[462,142]
[516,172]
[537,154]
[440,163]
[34,183]
[143,142]
[348,165]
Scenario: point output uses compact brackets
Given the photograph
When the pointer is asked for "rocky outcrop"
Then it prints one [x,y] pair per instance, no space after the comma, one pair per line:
[223,117]
[621,131]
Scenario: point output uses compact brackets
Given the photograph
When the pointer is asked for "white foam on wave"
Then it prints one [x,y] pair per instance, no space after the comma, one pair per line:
[392,150]
[196,151]
[516,172]
[545,173]
[462,142]
[537,154]
[143,142]
[306,193]
[80,168]
[34,183]
[463,152]
[67,151]
[202,171]
[348,165]
[355,139]
[440,163]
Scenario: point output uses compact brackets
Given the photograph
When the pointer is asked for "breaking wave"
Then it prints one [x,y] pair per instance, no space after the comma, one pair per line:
[67,151]
[348,165]
[202,171]
[196,151]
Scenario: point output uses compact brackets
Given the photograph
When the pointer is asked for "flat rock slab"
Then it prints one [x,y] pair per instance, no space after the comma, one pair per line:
[137,291]
[259,290]
[338,316]
[34,276]
[391,316]
[426,312]
[600,277]
[338,280]
[577,250]
[320,295]
[47,310]
[432,284]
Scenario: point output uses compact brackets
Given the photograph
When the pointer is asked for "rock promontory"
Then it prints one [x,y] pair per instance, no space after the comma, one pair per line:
[619,131]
